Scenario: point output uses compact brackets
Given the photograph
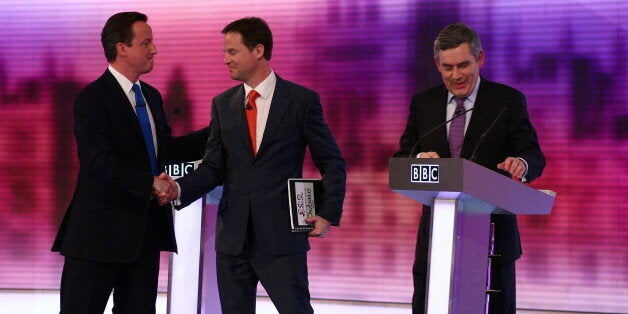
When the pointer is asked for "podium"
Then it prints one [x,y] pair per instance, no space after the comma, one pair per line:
[192,282]
[463,195]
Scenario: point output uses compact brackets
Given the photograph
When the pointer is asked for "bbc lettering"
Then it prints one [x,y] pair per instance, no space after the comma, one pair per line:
[424,173]
[179,170]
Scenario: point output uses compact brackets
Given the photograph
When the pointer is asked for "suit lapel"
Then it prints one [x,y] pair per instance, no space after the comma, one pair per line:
[436,114]
[120,99]
[481,111]
[278,107]
[237,108]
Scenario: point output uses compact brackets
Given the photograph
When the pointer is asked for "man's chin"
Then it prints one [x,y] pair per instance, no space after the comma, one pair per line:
[147,69]
[460,92]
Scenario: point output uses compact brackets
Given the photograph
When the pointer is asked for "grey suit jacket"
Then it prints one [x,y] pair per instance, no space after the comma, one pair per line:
[255,187]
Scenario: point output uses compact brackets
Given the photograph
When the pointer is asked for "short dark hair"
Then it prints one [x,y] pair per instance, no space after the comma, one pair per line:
[254,32]
[456,34]
[119,29]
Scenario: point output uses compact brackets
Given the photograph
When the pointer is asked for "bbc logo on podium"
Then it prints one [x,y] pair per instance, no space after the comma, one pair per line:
[178,170]
[424,173]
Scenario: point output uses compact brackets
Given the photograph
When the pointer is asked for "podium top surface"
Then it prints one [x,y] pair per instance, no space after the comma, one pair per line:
[424,179]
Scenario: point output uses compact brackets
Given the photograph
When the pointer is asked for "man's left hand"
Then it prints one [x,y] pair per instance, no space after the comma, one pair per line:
[514,166]
[321,226]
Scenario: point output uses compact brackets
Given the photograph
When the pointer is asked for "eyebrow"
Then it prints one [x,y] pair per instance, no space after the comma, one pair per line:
[457,64]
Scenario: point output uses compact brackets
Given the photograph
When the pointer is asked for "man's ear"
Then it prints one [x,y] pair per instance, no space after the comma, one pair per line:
[121,49]
[259,51]
[480,59]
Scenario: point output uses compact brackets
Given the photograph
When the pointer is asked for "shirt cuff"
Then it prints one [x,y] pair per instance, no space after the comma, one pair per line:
[525,173]
[177,202]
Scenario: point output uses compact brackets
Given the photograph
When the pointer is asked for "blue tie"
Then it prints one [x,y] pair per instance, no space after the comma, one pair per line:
[142,117]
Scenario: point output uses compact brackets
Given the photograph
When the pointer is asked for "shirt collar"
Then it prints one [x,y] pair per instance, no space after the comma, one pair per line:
[265,88]
[124,82]
[471,97]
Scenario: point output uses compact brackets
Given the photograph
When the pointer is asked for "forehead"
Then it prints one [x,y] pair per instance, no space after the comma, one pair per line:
[462,53]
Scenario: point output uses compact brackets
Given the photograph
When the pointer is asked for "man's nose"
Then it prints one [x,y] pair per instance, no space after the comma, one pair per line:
[455,73]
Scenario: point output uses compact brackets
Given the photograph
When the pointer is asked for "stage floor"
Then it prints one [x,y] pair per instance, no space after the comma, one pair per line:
[47,302]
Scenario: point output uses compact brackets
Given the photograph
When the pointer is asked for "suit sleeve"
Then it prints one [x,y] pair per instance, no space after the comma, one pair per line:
[187,147]
[210,173]
[172,149]
[524,140]
[328,159]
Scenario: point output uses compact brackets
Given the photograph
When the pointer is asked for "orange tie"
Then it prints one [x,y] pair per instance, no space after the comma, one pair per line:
[251,118]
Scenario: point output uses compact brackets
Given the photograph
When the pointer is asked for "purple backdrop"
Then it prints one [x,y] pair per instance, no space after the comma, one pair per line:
[365,58]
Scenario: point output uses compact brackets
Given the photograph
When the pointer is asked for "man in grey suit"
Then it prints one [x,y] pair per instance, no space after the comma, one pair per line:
[510,147]
[253,159]
[114,228]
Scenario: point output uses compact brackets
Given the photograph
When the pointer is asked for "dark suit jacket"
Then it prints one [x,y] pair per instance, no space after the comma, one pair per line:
[512,135]
[106,220]
[256,186]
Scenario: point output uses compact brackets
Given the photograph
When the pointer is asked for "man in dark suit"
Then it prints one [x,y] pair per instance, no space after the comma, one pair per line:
[510,147]
[114,229]
[254,242]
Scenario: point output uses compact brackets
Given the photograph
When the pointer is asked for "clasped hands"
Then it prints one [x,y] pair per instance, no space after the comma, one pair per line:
[165,189]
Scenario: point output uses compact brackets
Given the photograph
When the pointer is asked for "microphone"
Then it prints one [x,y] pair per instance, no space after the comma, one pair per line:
[477,144]
[436,128]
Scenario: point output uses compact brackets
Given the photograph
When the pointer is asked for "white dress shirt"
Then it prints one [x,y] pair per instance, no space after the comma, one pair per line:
[266,90]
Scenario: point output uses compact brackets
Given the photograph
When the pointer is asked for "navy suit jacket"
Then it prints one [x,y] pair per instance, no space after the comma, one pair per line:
[255,187]
[512,135]
[106,220]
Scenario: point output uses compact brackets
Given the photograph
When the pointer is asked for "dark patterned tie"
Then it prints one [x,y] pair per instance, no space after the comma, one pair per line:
[142,117]
[251,118]
[456,129]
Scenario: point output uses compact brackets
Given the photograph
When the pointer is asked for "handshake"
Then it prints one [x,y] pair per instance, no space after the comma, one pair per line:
[165,189]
